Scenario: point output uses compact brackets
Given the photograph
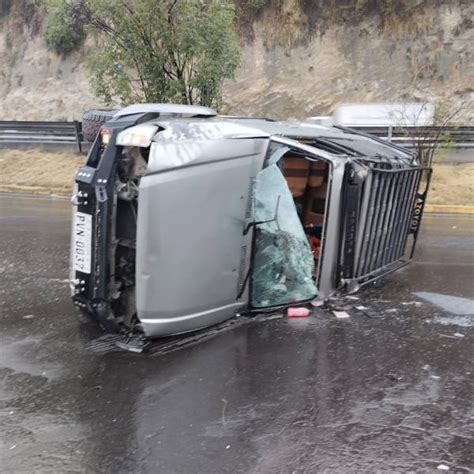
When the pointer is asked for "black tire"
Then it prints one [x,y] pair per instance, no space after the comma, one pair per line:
[92,120]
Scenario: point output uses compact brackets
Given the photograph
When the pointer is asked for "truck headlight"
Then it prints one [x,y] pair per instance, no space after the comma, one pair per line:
[139,135]
[105,134]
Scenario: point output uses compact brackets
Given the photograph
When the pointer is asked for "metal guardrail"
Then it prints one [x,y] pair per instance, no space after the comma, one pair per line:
[70,133]
[459,137]
[44,133]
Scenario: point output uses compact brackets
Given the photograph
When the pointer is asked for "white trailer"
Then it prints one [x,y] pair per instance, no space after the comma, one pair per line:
[412,114]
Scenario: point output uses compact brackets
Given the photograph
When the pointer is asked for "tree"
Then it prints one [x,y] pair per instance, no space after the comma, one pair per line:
[62,32]
[160,50]
[426,139]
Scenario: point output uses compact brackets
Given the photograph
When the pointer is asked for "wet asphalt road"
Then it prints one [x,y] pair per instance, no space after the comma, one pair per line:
[389,389]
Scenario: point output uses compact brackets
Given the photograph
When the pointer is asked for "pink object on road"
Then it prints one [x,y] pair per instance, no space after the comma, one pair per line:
[298,312]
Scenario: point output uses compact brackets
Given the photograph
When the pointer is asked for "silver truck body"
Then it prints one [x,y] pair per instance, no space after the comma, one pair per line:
[181,244]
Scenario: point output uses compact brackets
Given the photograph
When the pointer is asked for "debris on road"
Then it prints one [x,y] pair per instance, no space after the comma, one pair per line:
[374,314]
[133,343]
[449,336]
[394,377]
[298,312]
[416,303]
[443,467]
[341,314]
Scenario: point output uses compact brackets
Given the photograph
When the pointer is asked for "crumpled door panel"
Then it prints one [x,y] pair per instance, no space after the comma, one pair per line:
[190,236]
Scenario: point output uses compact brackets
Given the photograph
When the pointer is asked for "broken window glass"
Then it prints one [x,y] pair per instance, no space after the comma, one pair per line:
[283,262]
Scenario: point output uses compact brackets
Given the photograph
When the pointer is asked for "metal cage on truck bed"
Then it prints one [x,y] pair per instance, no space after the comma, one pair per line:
[381,212]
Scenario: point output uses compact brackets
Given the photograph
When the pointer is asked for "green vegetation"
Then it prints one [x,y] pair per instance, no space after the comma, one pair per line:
[62,31]
[154,51]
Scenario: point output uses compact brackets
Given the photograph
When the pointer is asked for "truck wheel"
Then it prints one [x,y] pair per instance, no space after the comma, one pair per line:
[92,120]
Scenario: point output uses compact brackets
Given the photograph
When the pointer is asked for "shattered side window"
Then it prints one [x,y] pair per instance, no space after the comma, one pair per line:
[283,262]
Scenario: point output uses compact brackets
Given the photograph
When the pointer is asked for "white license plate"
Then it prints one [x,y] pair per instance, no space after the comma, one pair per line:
[82,242]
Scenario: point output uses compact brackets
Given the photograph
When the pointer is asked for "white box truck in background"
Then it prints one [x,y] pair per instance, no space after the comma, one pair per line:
[384,115]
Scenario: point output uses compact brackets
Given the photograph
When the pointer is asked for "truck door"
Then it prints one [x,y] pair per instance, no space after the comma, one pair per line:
[192,254]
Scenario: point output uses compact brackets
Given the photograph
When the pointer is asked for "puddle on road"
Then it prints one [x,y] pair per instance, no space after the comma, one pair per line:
[461,309]
[462,321]
[452,304]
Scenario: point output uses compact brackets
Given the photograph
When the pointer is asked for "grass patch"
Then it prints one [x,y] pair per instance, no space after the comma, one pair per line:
[452,185]
[38,172]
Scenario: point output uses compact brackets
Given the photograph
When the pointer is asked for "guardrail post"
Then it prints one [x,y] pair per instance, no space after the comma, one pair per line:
[79,137]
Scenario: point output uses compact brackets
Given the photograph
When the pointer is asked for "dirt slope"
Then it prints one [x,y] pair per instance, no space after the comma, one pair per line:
[297,68]
[299,58]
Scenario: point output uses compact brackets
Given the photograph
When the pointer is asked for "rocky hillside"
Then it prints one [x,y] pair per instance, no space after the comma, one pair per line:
[300,58]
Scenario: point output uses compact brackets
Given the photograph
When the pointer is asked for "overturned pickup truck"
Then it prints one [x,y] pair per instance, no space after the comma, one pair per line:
[184,218]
